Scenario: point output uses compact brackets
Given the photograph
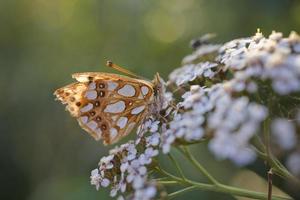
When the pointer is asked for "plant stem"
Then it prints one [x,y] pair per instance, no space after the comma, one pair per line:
[176,165]
[221,188]
[270,184]
[267,137]
[167,182]
[274,163]
[179,192]
[199,166]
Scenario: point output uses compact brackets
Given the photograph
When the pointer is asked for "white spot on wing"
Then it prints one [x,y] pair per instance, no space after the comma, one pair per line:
[140,96]
[87,108]
[127,91]
[99,133]
[145,90]
[113,133]
[137,110]
[91,94]
[115,107]
[111,85]
[92,86]
[92,125]
[122,122]
[84,119]
[81,78]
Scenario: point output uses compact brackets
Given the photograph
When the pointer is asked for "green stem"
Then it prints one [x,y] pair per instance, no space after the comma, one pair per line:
[221,188]
[167,182]
[267,137]
[193,160]
[179,192]
[176,165]
[179,142]
[274,163]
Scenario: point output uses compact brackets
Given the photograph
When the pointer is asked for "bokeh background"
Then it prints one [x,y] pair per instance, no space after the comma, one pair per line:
[44,153]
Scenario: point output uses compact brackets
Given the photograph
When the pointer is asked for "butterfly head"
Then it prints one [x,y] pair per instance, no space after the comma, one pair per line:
[159,91]
[157,84]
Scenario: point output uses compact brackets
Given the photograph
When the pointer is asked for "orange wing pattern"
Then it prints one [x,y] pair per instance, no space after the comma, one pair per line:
[107,106]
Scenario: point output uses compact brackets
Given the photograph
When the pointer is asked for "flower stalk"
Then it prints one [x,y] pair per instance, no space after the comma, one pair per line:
[220,188]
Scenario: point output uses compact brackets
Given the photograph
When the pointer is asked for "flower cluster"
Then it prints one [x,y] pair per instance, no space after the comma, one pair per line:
[275,58]
[227,95]
[228,106]
[213,112]
[125,169]
[191,72]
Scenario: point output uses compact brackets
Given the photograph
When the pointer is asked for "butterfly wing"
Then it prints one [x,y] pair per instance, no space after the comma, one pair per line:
[107,106]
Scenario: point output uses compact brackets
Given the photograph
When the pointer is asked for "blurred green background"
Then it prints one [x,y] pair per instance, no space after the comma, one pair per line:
[44,152]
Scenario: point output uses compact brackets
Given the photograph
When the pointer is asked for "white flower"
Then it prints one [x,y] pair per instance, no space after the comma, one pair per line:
[124,167]
[123,186]
[146,158]
[138,182]
[293,163]
[245,156]
[154,126]
[153,139]
[105,182]
[113,192]
[275,36]
[284,133]
[296,48]
[168,97]
[200,52]
[167,139]
[131,152]
[150,152]
[95,178]
[145,193]
[135,164]
[190,72]
[106,162]
[120,198]
[257,112]
[195,94]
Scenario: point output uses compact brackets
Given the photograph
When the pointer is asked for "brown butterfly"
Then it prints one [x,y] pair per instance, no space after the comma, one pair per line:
[109,106]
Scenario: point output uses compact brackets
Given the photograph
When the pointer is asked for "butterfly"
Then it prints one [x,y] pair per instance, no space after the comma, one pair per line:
[109,106]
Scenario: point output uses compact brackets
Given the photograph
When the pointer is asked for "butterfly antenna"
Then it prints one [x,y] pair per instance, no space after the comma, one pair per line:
[121,69]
